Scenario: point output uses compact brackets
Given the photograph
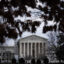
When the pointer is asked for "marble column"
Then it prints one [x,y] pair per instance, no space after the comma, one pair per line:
[42,49]
[31,49]
[20,50]
[35,50]
[38,49]
[28,48]
[24,49]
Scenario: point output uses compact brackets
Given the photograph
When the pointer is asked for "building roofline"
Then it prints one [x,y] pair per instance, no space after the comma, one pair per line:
[34,35]
[7,46]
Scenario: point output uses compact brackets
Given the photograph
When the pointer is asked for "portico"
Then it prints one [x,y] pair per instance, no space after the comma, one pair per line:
[31,49]
[32,46]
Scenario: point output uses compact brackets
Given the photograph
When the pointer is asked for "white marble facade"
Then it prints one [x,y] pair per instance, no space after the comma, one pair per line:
[32,46]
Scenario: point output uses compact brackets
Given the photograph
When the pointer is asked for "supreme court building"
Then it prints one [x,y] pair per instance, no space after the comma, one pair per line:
[29,47]
[32,47]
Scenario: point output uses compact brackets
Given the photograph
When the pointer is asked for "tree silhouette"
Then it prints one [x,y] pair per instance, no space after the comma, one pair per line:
[38,61]
[10,9]
[46,60]
[13,61]
[33,61]
[60,48]
[21,61]
[54,9]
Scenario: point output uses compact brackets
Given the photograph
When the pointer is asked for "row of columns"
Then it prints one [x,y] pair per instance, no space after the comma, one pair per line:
[31,49]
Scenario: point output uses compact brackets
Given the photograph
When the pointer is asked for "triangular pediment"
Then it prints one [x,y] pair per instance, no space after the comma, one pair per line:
[33,37]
